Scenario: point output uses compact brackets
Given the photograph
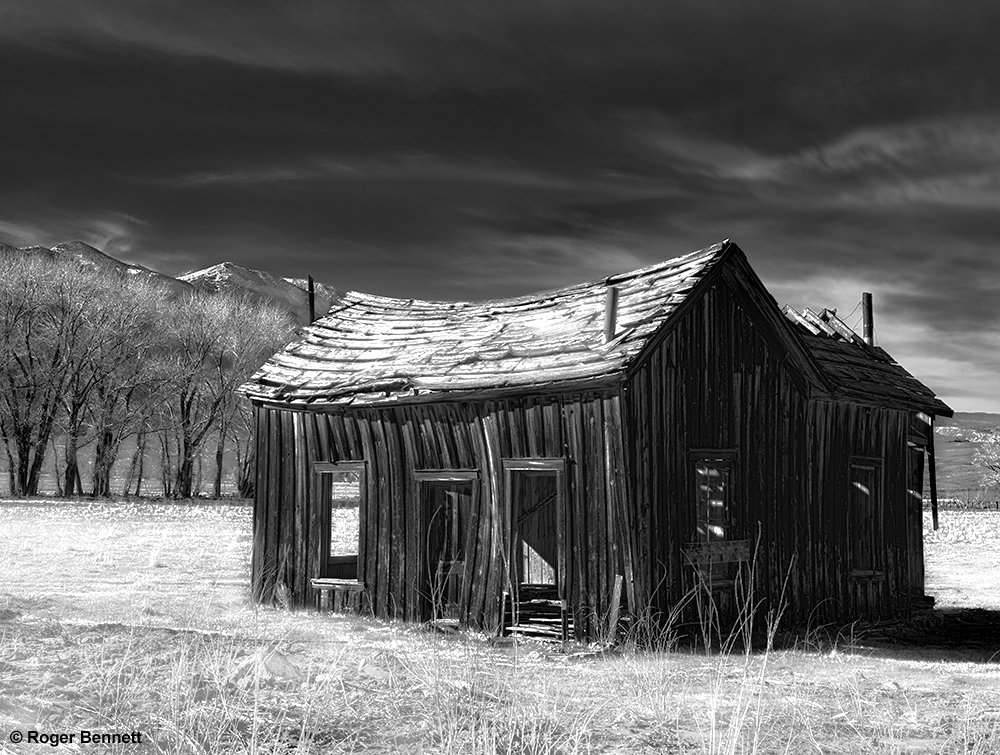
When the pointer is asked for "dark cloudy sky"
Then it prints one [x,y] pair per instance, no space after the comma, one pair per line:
[471,149]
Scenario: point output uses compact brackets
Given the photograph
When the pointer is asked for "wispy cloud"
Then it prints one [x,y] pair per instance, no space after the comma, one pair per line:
[450,150]
[18,233]
[401,167]
[114,233]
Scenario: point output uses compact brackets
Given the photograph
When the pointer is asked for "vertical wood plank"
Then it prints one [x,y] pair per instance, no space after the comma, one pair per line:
[299,584]
[287,543]
[314,530]
[397,513]
[487,508]
[577,541]
[371,511]
[494,558]
[261,521]
[383,532]
[273,541]
[414,554]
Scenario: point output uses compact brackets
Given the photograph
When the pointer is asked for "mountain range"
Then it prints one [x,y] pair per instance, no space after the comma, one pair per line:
[290,294]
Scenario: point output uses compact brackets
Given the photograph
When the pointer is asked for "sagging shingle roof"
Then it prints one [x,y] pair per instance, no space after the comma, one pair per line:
[858,371]
[373,349]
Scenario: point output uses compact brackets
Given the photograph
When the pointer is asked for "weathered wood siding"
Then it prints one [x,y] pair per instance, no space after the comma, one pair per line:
[719,380]
[725,376]
[843,430]
[583,429]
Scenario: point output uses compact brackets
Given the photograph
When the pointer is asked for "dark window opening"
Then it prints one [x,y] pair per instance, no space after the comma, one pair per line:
[713,491]
[864,517]
[715,548]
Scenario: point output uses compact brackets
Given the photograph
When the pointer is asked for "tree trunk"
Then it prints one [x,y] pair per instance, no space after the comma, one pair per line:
[10,466]
[246,480]
[185,477]
[34,475]
[141,450]
[21,483]
[132,465]
[166,465]
[29,464]
[56,472]
[220,452]
[71,471]
[196,484]
[105,454]
[33,469]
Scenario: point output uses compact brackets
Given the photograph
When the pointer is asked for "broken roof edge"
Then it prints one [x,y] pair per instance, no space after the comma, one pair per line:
[582,386]
[935,408]
[828,325]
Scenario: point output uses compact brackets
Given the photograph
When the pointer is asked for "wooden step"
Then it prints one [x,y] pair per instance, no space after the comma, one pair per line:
[538,613]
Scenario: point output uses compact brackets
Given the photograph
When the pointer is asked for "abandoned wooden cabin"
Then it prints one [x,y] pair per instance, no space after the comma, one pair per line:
[552,459]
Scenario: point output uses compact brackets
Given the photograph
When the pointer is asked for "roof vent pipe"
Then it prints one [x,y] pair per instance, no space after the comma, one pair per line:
[866,316]
[312,300]
[610,312]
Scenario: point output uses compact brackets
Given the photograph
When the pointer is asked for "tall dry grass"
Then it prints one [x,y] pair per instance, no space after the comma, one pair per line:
[390,688]
[285,682]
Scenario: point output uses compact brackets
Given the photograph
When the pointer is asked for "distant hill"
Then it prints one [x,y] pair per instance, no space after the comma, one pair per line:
[89,257]
[290,294]
[955,443]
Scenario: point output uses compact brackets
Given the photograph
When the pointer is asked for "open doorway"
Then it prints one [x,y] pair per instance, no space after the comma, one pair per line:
[537,601]
[446,504]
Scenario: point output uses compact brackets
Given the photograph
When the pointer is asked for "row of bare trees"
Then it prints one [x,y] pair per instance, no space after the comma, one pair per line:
[987,458]
[91,358]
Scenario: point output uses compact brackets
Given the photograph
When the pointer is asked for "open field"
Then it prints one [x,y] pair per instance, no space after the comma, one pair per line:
[134,616]
[962,559]
[956,441]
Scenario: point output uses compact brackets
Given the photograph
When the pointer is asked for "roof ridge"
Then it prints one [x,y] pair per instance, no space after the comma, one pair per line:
[713,250]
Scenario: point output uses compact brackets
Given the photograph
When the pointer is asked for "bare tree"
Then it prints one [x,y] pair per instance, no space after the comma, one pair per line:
[215,343]
[987,458]
[79,353]
[90,357]
[243,435]
[129,372]
[107,363]
[42,321]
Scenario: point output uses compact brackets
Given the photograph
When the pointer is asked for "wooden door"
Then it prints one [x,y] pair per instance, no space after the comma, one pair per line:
[446,507]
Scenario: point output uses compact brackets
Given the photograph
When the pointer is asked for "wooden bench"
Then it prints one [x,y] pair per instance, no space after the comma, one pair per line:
[340,595]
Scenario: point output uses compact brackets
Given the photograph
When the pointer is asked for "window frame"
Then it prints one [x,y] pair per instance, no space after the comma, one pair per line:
[321,472]
[875,530]
[722,458]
